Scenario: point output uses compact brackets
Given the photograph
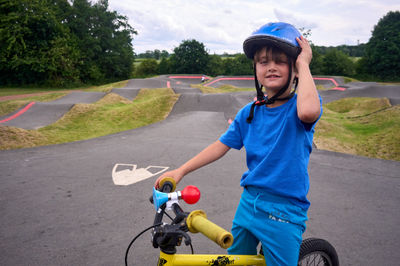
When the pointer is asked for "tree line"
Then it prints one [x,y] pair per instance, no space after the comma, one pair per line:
[376,60]
[73,42]
[63,42]
[156,54]
[350,50]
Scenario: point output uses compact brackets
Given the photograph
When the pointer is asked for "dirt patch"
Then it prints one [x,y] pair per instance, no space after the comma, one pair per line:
[113,98]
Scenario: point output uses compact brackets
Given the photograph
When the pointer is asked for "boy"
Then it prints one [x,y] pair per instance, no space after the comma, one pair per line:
[277,132]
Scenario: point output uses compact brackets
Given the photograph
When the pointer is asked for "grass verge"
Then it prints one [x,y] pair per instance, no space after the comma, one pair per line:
[361,126]
[111,114]
[106,87]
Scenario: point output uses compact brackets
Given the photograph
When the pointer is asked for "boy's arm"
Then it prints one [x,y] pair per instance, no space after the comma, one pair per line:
[210,154]
[308,103]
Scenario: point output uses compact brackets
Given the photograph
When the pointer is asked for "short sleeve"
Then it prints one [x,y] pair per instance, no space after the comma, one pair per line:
[233,135]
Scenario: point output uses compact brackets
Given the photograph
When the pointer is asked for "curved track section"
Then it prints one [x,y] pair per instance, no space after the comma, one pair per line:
[37,115]
[43,114]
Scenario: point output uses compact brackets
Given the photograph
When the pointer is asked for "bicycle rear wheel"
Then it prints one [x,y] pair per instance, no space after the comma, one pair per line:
[315,251]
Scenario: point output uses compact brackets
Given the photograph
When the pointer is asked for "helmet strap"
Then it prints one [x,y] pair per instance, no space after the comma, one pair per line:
[260,94]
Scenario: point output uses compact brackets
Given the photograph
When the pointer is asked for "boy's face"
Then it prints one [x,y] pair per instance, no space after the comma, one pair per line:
[272,69]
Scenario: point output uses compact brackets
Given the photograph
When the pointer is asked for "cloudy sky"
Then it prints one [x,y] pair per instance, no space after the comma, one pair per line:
[222,25]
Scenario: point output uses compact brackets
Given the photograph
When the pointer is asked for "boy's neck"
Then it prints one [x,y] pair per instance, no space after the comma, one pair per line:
[278,103]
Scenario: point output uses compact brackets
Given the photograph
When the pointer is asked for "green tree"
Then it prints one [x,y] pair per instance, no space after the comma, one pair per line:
[215,65]
[35,47]
[157,54]
[382,52]
[229,66]
[164,53]
[105,41]
[336,62]
[115,36]
[316,65]
[243,65]
[59,42]
[164,66]
[190,57]
[148,67]
[238,65]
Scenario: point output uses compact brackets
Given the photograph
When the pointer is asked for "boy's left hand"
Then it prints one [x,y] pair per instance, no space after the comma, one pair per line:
[305,55]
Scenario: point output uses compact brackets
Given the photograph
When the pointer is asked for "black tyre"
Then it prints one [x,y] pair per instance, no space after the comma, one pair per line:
[314,251]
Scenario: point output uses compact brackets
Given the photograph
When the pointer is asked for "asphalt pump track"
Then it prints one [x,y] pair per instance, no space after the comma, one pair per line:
[60,206]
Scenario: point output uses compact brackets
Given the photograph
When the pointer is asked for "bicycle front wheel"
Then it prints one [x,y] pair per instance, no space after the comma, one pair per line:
[315,251]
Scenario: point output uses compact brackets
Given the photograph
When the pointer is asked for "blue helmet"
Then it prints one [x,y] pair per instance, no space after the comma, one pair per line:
[278,34]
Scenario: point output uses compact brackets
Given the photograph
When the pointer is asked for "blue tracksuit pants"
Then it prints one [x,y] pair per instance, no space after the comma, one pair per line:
[272,220]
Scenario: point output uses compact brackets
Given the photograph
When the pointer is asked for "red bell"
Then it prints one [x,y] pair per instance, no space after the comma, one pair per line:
[190,194]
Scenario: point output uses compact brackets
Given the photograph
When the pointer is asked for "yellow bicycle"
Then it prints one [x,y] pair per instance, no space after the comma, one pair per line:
[168,236]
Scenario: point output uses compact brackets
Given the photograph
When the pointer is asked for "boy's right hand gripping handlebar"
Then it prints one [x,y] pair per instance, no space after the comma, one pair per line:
[197,220]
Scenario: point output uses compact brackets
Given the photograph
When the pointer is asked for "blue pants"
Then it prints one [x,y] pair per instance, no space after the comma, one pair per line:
[272,220]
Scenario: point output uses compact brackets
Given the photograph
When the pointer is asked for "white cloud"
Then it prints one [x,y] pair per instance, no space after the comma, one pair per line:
[222,25]
[296,19]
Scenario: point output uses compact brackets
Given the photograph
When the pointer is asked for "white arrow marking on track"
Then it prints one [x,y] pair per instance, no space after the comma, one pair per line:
[130,174]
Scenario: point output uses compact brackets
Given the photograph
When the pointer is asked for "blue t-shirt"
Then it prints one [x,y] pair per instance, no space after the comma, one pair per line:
[278,146]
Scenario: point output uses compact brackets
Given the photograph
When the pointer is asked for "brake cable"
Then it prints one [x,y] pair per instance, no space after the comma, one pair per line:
[136,237]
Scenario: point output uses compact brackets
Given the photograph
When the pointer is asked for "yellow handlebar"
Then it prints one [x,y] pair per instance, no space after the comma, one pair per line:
[197,222]
[168,180]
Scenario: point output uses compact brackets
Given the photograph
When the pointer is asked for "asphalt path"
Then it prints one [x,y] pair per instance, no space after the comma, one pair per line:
[45,113]
[59,204]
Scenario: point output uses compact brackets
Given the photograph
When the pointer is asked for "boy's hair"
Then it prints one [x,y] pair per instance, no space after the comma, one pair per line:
[278,55]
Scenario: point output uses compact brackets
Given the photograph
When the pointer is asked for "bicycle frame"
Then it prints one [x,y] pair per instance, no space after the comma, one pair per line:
[209,259]
[168,236]
[196,221]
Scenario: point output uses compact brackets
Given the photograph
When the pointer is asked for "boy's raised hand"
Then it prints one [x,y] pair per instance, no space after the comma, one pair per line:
[305,55]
